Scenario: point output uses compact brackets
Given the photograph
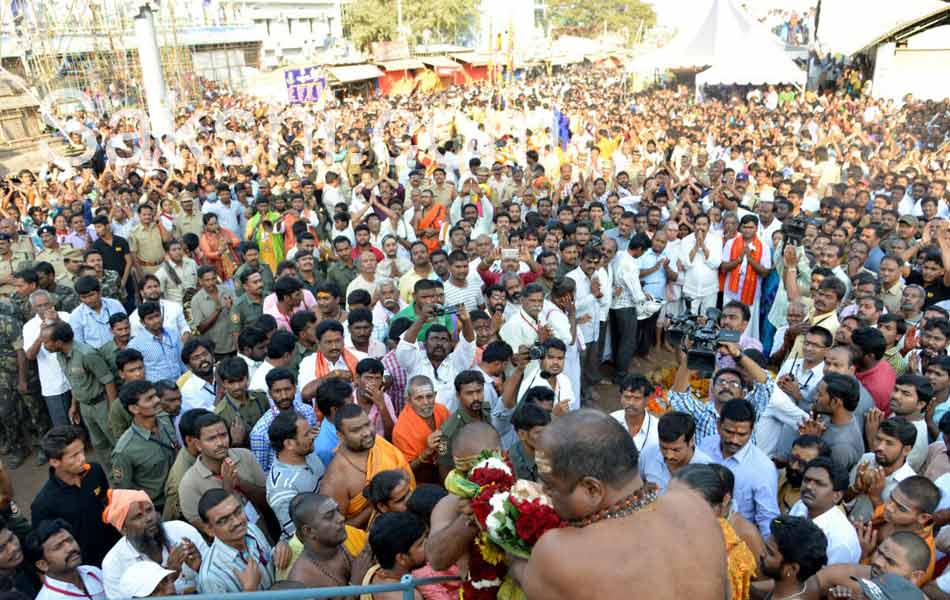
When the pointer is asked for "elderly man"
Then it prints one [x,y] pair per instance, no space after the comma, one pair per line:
[172,544]
[417,431]
[53,384]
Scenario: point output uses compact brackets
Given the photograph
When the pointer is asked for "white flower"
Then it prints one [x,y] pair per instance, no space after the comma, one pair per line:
[492,463]
[498,517]
[486,583]
[526,491]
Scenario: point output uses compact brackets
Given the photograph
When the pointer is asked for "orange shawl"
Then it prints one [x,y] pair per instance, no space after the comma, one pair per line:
[751,277]
[322,367]
[740,561]
[383,456]
[433,218]
[411,430]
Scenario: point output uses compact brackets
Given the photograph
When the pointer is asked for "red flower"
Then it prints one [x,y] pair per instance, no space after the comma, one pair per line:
[534,519]
[488,476]
[480,504]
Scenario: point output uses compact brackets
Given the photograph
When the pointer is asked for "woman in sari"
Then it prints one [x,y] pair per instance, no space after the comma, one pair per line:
[715,483]
[218,246]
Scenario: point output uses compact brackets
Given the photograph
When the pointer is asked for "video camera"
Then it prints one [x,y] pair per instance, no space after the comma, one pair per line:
[706,339]
[440,311]
[794,230]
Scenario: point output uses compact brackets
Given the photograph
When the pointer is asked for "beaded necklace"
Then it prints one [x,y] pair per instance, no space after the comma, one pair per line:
[641,500]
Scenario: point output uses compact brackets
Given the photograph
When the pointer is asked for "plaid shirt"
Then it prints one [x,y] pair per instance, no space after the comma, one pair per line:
[706,415]
[260,441]
[397,391]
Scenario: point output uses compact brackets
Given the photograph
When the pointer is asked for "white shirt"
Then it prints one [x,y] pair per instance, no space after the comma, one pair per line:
[781,413]
[606,277]
[564,391]
[891,481]
[123,555]
[54,589]
[196,393]
[808,379]
[586,304]
[701,275]
[414,360]
[627,278]
[376,348]
[308,369]
[918,454]
[647,436]
[52,379]
[258,381]
[173,319]
[843,544]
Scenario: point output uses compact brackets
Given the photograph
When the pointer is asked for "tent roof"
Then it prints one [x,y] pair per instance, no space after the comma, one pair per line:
[839,32]
[726,30]
[400,64]
[737,47]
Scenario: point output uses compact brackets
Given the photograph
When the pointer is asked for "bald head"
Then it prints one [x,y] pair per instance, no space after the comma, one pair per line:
[305,508]
[589,443]
[475,437]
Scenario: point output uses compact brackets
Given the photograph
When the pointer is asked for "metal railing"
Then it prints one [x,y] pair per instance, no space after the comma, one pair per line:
[406,585]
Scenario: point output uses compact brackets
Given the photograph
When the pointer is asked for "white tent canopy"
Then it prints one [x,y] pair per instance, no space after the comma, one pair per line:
[738,49]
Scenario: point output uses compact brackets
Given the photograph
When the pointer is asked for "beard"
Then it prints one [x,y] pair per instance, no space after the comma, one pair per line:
[794,477]
[149,543]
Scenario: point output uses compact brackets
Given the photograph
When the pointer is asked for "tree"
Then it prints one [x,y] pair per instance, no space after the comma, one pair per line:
[368,21]
[587,18]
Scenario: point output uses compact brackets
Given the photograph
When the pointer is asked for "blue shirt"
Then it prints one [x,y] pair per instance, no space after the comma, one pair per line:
[219,565]
[230,217]
[873,263]
[654,283]
[622,242]
[260,441]
[756,492]
[162,355]
[92,328]
[653,468]
[326,442]
[706,415]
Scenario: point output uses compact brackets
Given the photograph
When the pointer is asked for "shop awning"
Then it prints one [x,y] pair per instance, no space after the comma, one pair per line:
[473,58]
[403,64]
[351,73]
[440,62]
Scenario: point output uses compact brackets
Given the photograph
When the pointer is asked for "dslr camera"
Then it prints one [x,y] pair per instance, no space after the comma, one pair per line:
[440,311]
[536,352]
[706,339]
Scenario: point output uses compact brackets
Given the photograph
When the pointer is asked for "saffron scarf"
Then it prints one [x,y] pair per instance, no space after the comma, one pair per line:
[747,296]
[740,561]
[322,367]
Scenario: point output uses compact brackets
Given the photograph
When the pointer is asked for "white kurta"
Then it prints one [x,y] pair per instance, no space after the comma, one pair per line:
[752,330]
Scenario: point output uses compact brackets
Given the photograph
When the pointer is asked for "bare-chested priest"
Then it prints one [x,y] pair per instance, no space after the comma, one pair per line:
[588,465]
[452,526]
[361,455]
[333,553]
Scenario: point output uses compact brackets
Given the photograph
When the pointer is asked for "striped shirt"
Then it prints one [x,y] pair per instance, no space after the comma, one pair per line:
[260,441]
[706,415]
[216,575]
[470,295]
[161,354]
[285,481]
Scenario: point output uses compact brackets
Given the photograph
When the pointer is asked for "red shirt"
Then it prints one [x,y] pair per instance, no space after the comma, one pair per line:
[879,380]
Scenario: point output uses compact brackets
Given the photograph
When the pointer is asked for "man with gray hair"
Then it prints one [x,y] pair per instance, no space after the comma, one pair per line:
[417,432]
[386,308]
[53,384]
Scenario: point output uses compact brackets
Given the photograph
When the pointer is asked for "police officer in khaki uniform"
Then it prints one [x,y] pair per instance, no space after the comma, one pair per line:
[22,246]
[146,242]
[8,266]
[249,305]
[92,384]
[146,451]
[188,219]
[54,254]
[240,407]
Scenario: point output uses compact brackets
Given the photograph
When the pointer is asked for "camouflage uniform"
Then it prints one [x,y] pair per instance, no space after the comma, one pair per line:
[67,298]
[11,338]
[110,286]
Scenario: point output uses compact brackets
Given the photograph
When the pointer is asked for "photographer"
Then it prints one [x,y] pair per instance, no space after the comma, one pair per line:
[551,375]
[749,380]
[735,317]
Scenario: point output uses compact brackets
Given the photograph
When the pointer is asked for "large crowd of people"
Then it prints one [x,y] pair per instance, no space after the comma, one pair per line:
[278,338]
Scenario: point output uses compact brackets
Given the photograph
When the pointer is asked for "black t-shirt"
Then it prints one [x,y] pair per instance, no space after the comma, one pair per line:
[113,255]
[82,508]
[937,291]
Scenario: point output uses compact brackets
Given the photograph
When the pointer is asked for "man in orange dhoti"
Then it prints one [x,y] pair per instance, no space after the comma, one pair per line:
[417,432]
[361,455]
[428,220]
